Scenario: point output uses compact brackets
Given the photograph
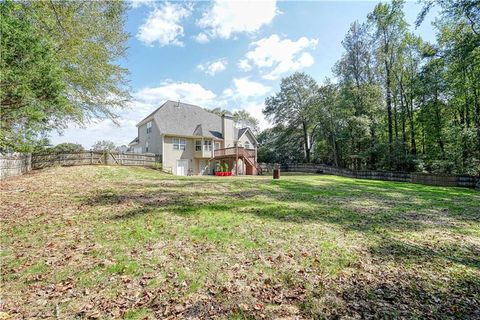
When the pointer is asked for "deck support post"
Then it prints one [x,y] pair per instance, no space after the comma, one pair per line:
[236,160]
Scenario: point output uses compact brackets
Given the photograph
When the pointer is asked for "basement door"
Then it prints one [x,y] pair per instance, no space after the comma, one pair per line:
[182,167]
[202,167]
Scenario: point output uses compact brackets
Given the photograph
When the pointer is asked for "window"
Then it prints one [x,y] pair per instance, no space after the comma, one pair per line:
[198,145]
[217,145]
[207,145]
[146,146]
[179,144]
[149,126]
[247,145]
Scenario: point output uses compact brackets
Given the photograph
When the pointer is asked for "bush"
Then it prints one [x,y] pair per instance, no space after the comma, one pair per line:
[157,166]
[225,167]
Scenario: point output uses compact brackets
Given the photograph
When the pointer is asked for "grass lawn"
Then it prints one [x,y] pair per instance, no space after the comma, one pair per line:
[113,242]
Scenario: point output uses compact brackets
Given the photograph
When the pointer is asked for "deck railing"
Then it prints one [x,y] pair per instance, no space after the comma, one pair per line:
[233,151]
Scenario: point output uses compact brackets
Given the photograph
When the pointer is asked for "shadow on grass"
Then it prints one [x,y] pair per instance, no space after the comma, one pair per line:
[407,252]
[370,207]
[393,295]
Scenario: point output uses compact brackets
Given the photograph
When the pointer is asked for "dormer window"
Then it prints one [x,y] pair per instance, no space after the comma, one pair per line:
[247,145]
[149,126]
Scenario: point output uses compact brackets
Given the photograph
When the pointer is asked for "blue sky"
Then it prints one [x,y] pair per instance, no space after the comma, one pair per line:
[226,54]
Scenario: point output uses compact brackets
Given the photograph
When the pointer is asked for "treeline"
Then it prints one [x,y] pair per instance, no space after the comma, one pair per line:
[44,146]
[59,63]
[396,103]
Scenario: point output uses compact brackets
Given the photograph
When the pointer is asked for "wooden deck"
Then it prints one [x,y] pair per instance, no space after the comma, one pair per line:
[247,155]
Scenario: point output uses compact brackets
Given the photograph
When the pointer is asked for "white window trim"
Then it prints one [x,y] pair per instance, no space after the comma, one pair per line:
[179,143]
[198,144]
[149,126]
[207,145]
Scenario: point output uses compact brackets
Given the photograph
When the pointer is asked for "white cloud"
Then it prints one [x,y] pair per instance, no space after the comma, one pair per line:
[247,95]
[244,88]
[242,94]
[280,56]
[138,3]
[201,38]
[226,18]
[184,91]
[163,25]
[244,65]
[255,109]
[213,67]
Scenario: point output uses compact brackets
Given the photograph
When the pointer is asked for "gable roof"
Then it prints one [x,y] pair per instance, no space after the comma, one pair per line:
[134,141]
[185,119]
[242,131]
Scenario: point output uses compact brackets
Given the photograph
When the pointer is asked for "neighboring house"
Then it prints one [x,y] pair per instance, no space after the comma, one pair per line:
[194,141]
[122,149]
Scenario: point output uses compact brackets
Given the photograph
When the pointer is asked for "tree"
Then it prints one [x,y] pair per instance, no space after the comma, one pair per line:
[32,86]
[243,118]
[68,70]
[294,107]
[332,120]
[360,95]
[219,111]
[67,147]
[280,145]
[389,23]
[104,145]
[90,39]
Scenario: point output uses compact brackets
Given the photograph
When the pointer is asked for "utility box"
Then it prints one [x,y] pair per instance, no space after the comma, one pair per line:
[276,173]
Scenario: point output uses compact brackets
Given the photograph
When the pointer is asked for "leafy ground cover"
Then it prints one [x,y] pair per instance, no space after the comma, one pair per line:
[110,242]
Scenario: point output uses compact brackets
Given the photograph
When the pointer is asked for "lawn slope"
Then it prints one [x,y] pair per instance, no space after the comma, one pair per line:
[114,242]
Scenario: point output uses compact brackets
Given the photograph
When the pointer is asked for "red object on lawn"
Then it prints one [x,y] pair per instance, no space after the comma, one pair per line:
[223,174]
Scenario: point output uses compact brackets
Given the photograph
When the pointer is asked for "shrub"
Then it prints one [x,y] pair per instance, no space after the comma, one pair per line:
[225,167]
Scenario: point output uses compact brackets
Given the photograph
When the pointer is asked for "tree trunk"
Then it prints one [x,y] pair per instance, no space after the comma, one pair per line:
[335,150]
[395,119]
[389,107]
[438,124]
[477,116]
[412,126]
[306,141]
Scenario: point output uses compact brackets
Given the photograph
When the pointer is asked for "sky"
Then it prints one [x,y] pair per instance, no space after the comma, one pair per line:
[226,54]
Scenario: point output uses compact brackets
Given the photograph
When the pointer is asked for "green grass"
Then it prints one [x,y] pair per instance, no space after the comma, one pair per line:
[136,243]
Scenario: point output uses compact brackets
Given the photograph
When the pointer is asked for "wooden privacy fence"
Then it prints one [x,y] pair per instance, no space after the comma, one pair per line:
[18,164]
[414,177]
[93,158]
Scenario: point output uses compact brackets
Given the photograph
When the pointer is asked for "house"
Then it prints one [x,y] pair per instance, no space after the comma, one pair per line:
[121,149]
[192,140]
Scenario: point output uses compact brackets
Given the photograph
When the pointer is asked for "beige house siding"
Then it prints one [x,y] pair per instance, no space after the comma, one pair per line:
[191,123]
[171,156]
[228,132]
[246,137]
[153,138]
